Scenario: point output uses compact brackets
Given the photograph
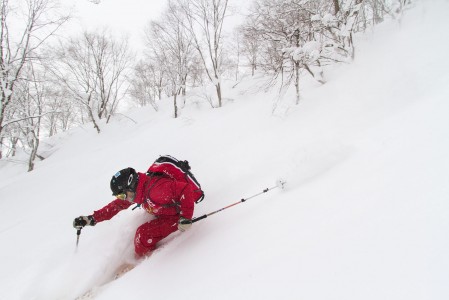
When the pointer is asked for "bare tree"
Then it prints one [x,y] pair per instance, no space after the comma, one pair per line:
[63,112]
[292,36]
[112,59]
[93,69]
[27,112]
[170,44]
[373,12]
[31,103]
[285,27]
[74,69]
[147,83]
[11,133]
[205,19]
[251,45]
[19,43]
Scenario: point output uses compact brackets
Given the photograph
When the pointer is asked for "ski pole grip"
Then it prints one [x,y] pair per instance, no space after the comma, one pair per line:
[199,218]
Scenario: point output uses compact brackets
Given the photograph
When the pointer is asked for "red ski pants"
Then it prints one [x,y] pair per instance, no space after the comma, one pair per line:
[148,234]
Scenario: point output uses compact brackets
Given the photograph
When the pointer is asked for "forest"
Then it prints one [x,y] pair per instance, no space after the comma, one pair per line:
[50,83]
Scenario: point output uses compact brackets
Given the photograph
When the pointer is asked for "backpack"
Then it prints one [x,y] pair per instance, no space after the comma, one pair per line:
[167,165]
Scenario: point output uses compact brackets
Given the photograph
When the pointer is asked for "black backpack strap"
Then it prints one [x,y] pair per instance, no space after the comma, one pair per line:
[155,174]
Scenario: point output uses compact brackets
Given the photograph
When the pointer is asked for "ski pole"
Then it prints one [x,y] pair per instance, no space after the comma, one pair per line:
[279,184]
[78,233]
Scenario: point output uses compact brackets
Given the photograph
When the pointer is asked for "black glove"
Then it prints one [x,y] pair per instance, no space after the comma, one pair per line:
[184,224]
[82,221]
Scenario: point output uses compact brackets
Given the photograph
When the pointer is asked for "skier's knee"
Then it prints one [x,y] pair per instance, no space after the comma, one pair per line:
[143,244]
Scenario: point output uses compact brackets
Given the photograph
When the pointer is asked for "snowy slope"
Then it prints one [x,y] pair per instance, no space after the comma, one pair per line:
[364,214]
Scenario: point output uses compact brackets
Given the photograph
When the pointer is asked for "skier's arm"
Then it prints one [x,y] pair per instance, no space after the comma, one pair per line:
[187,199]
[110,210]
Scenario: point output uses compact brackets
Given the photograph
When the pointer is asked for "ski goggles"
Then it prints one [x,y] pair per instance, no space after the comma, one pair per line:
[121,196]
[129,196]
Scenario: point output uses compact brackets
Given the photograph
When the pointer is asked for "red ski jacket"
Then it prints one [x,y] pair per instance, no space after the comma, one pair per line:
[159,195]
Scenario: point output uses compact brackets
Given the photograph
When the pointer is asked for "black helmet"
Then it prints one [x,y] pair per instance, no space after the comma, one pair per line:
[124,180]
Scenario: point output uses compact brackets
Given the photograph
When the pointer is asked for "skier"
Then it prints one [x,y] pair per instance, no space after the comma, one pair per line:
[170,201]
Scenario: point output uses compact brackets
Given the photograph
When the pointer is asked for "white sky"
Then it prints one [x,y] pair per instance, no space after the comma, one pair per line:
[129,17]
[123,17]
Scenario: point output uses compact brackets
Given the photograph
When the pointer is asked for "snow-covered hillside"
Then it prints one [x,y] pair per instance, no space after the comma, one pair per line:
[364,214]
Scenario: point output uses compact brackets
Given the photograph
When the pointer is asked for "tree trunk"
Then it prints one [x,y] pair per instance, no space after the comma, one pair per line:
[297,82]
[1,143]
[14,142]
[336,7]
[175,105]
[2,116]
[91,113]
[218,88]
[92,118]
[33,154]
[318,77]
